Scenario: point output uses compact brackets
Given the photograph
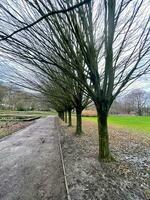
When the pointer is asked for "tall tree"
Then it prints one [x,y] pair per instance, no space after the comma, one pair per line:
[63,93]
[111,37]
[139,99]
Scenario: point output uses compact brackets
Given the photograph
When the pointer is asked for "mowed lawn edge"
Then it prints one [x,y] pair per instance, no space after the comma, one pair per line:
[135,124]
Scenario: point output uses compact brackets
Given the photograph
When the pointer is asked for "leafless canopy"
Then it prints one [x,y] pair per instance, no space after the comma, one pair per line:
[103,45]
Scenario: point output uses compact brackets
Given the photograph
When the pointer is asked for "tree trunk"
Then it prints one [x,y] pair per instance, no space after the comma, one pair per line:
[104,151]
[61,115]
[66,117]
[69,118]
[78,121]
[139,111]
[58,114]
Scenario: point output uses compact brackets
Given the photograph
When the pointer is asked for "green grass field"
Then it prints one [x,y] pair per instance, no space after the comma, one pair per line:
[139,124]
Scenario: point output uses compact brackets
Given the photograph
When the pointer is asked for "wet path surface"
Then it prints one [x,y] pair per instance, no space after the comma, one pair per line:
[30,163]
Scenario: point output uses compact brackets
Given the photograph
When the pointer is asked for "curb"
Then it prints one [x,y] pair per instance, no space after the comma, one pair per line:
[62,161]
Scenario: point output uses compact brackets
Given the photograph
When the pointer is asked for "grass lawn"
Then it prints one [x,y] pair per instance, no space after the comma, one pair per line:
[139,124]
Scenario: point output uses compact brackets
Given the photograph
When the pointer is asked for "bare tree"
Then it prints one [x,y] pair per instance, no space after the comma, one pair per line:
[112,40]
[128,103]
[63,93]
[46,15]
[138,98]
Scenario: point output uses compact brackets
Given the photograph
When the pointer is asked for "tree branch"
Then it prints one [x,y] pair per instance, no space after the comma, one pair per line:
[45,16]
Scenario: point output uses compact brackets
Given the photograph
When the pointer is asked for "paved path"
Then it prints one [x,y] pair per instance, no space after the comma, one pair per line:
[30,164]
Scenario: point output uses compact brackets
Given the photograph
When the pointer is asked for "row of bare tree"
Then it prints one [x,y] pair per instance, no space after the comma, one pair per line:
[77,51]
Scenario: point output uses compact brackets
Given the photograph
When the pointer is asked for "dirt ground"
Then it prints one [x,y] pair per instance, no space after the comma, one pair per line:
[88,179]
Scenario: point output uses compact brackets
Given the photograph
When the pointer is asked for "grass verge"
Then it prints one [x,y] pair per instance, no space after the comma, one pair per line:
[139,124]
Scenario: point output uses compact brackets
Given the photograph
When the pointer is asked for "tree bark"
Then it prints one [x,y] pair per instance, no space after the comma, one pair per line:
[104,151]
[61,115]
[139,111]
[78,121]
[69,118]
[66,117]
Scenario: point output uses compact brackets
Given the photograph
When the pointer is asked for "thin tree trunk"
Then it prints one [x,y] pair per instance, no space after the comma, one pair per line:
[69,118]
[78,121]
[139,111]
[61,115]
[66,117]
[104,151]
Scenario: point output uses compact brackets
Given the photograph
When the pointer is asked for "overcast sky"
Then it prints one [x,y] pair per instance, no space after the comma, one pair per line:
[142,83]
